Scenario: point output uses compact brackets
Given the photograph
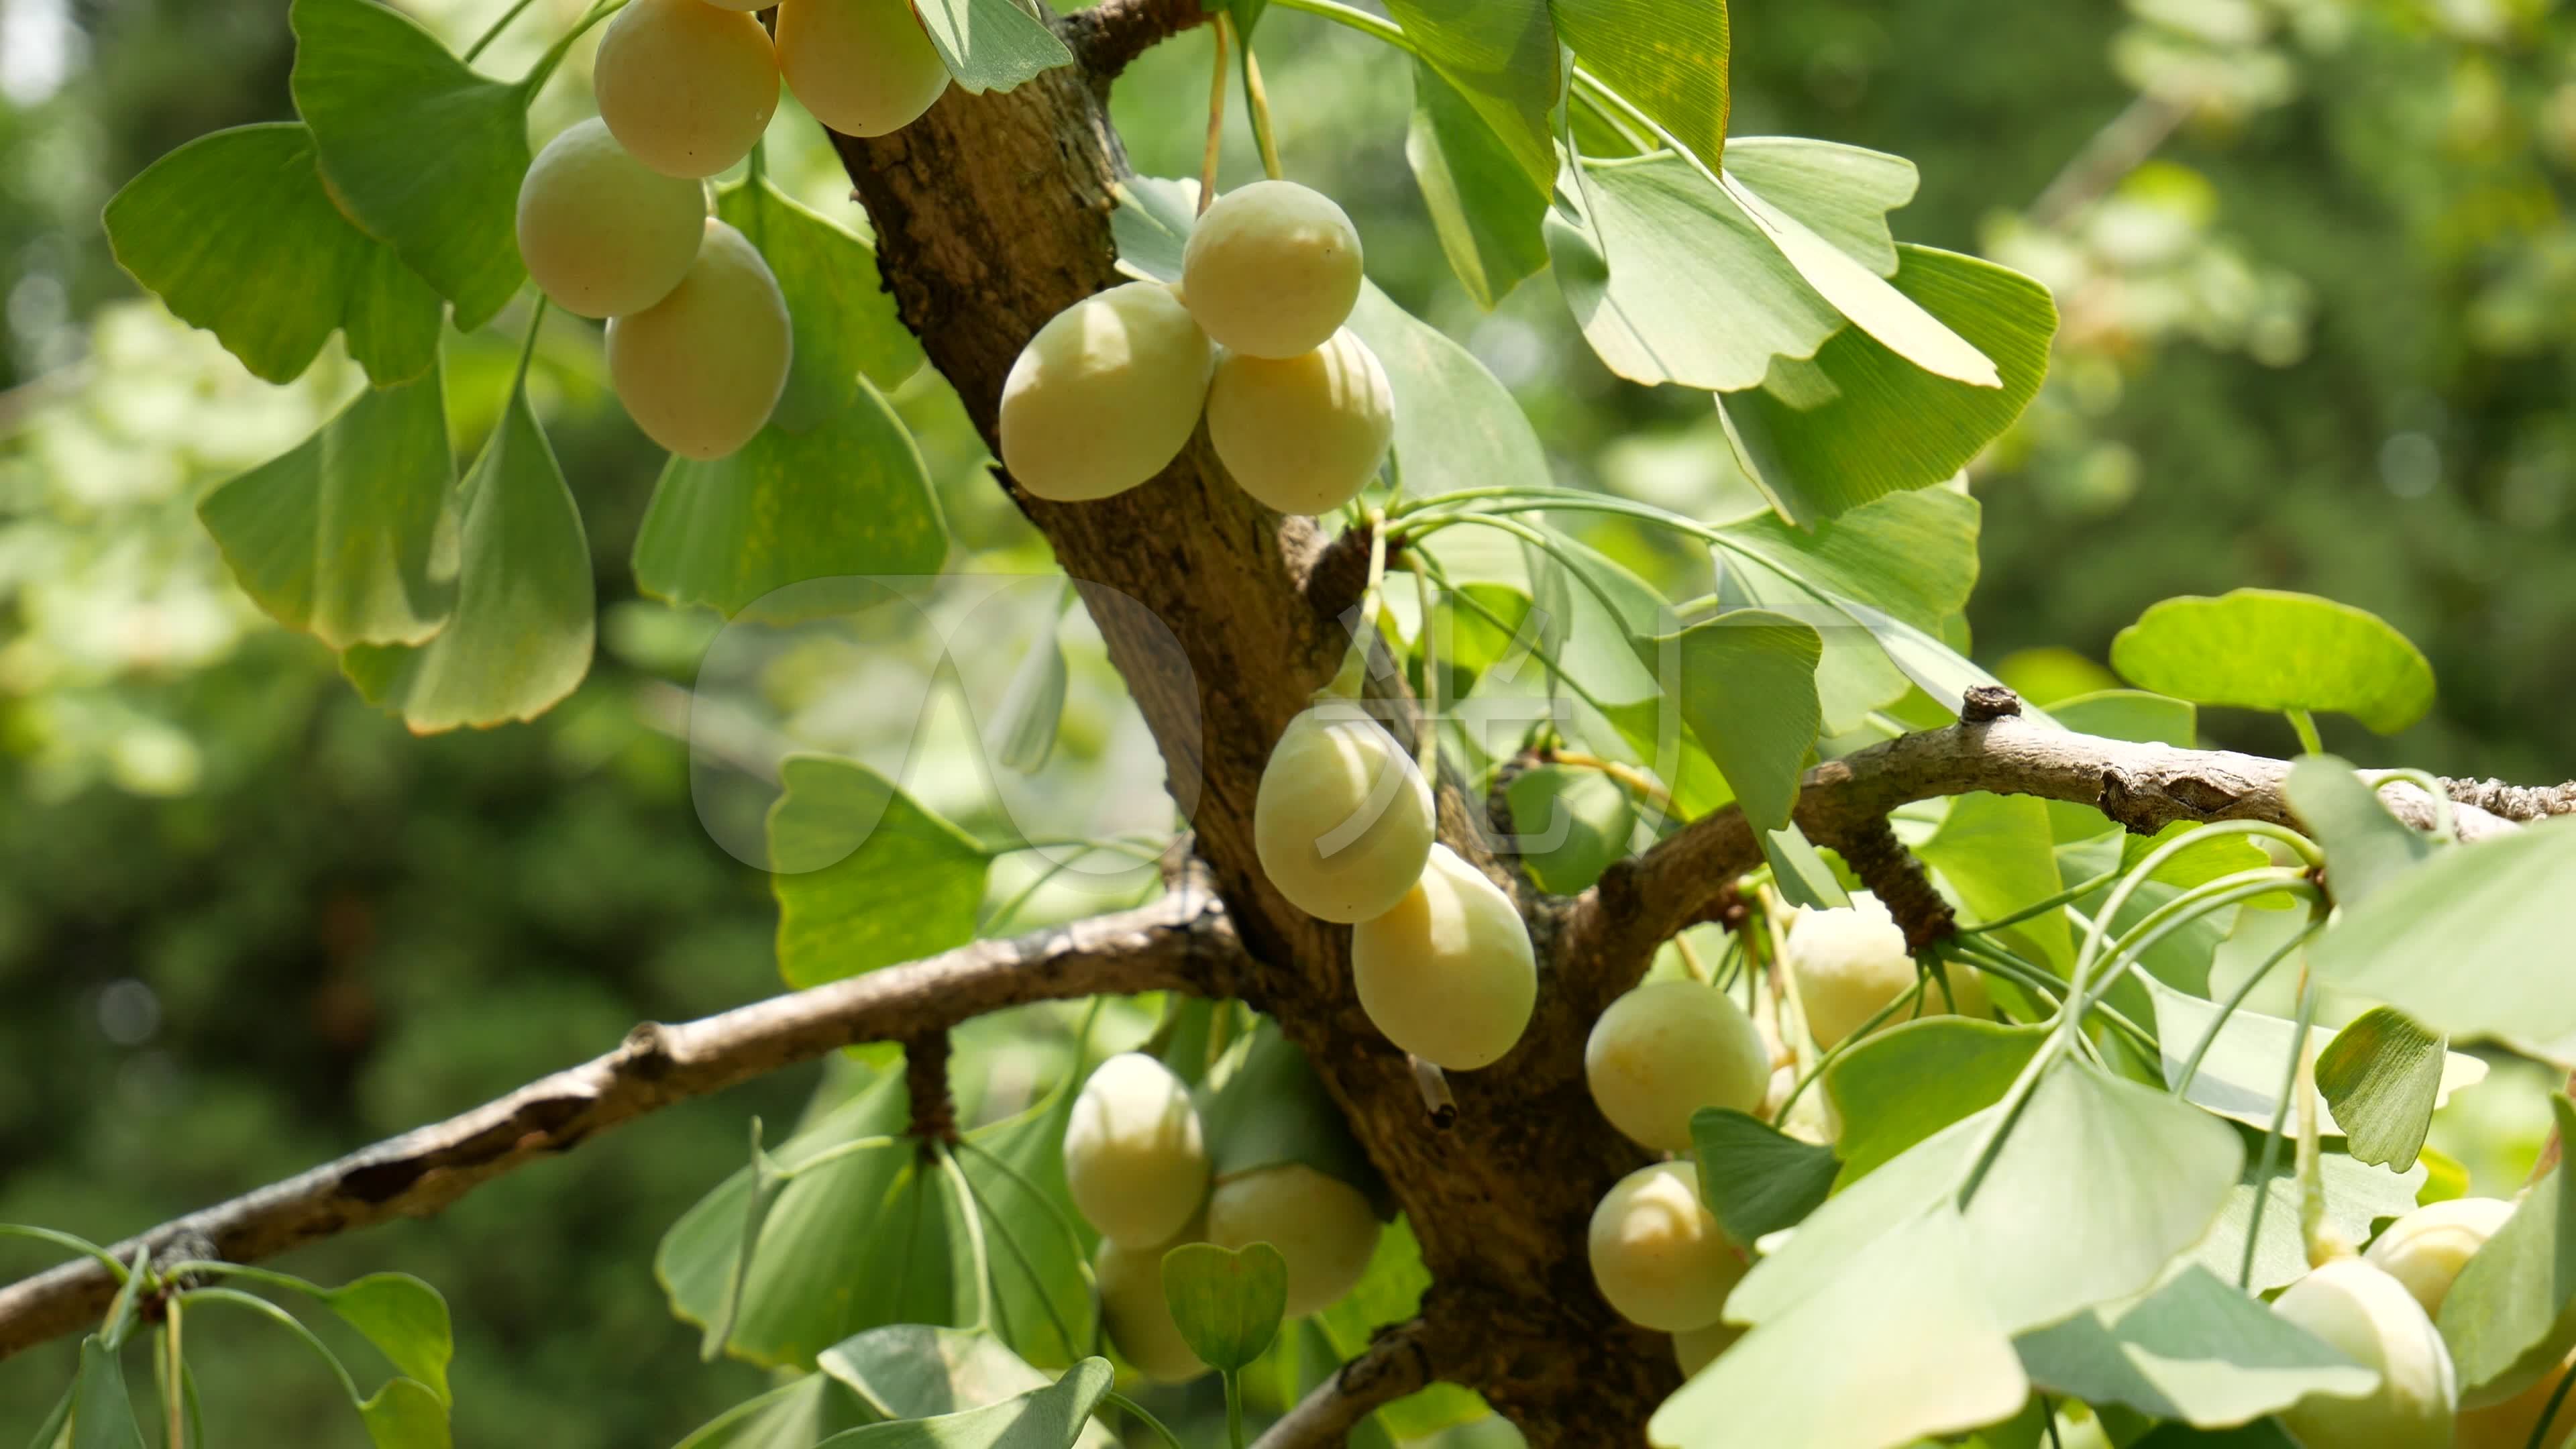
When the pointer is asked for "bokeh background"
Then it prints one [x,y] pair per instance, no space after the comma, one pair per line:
[2318,268]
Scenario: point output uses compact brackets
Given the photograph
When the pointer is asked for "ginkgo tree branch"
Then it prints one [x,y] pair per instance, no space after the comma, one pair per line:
[1181,942]
[1611,931]
[1396,1363]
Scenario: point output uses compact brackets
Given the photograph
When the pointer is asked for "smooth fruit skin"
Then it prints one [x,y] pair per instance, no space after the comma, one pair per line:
[2427,1248]
[863,67]
[2370,1316]
[1849,964]
[1138,1316]
[602,233]
[1665,1050]
[1321,1225]
[1106,395]
[1447,975]
[1303,434]
[686,86]
[1272,269]
[1134,1156]
[1343,822]
[700,370]
[1657,1255]
[1696,1348]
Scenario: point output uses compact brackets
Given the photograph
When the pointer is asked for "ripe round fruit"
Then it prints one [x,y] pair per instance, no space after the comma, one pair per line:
[1343,821]
[1139,1317]
[1448,974]
[1105,395]
[2370,1316]
[1303,434]
[1664,1051]
[602,233]
[1849,964]
[1696,1348]
[1657,1255]
[1272,269]
[2427,1248]
[863,67]
[1320,1225]
[1134,1156]
[686,86]
[700,370]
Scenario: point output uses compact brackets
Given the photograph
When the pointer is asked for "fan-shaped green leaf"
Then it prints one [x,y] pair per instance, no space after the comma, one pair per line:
[1747,687]
[844,320]
[350,537]
[2265,649]
[916,1371]
[2196,1350]
[2382,1075]
[2240,1077]
[1755,1178]
[1912,554]
[1903,1085]
[1843,193]
[1455,425]
[2000,854]
[1862,421]
[1226,1303]
[1502,56]
[236,234]
[1055,1417]
[1263,1105]
[422,152]
[405,1319]
[2356,1196]
[405,1414]
[990,45]
[847,499]
[865,877]
[1667,57]
[2365,846]
[1572,823]
[2472,942]
[519,638]
[102,1413]
[2511,1314]
[792,1416]
[1484,206]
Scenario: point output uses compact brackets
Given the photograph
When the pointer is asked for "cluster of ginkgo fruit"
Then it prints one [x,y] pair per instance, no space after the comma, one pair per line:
[1136,1160]
[1297,406]
[613,218]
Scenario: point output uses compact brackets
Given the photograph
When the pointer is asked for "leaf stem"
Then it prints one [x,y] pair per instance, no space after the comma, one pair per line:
[2271,1157]
[1216,118]
[1910,997]
[1256,99]
[71,1241]
[2191,1068]
[2068,896]
[1628,777]
[544,69]
[1234,1407]
[493,31]
[1136,1411]
[964,1198]
[289,1321]
[2306,725]
[2549,1413]
[174,1369]
[1426,737]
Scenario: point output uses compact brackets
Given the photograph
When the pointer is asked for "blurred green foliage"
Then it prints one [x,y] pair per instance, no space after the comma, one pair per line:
[2319,276]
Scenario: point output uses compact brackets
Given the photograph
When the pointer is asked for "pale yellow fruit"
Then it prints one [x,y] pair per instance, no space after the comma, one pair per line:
[1321,1225]
[1657,1255]
[2370,1316]
[1811,1117]
[863,67]
[1272,269]
[1106,395]
[2427,1248]
[1849,964]
[1696,1348]
[1303,434]
[1665,1050]
[685,85]
[602,233]
[2508,1425]
[1447,975]
[1138,1316]
[700,370]
[1134,1155]
[1343,822]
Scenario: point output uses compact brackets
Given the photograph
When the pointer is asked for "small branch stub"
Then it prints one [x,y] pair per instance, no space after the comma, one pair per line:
[925,1081]
[1986,703]
[1893,875]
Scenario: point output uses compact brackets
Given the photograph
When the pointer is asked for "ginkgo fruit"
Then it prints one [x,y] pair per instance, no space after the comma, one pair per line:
[863,67]
[701,370]
[1272,269]
[2370,1317]
[1667,1049]
[1106,395]
[602,233]
[1448,973]
[1696,1348]
[2427,1248]
[1343,821]
[686,86]
[1657,1255]
[1321,1225]
[1138,1316]
[1303,434]
[1850,963]
[1135,1157]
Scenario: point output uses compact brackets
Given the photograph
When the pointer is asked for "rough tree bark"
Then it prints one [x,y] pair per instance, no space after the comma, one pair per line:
[992,214]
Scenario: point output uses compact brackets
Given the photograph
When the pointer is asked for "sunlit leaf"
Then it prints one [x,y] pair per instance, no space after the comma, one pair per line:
[865,877]
[2472,942]
[990,45]
[1902,1085]
[1913,555]
[2356,1196]
[405,1319]
[1484,206]
[2241,1076]
[405,1414]
[844,321]
[916,1371]
[1748,690]
[1843,193]
[2195,1349]
[1455,425]
[1999,853]
[1502,56]
[2365,846]
[1668,57]
[1755,1178]
[2511,1314]
[1055,1417]
[2265,649]
[791,1416]
[2382,1075]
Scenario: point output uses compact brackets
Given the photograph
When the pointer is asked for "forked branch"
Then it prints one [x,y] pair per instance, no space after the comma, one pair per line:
[1396,1363]
[1182,942]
